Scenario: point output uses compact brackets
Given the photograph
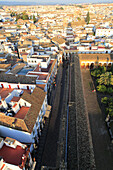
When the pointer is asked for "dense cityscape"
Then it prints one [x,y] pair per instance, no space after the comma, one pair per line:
[56,87]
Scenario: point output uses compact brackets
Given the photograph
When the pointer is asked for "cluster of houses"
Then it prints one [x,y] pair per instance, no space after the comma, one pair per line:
[30,53]
[28,67]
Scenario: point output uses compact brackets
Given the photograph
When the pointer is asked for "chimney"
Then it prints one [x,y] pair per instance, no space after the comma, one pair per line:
[31,90]
[39,67]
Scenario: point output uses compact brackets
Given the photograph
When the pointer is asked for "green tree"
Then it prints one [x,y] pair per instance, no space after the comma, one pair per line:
[62,8]
[104,100]
[101,79]
[112,68]
[103,69]
[110,111]
[109,90]
[78,18]
[13,14]
[96,73]
[18,16]
[18,26]
[88,18]
[101,88]
[105,78]
[34,19]
[25,17]
[111,82]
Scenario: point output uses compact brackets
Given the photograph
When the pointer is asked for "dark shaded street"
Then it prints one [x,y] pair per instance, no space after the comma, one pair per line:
[49,157]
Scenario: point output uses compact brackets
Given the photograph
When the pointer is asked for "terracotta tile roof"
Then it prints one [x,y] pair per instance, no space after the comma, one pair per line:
[12,122]
[25,119]
[4,92]
[58,40]
[17,79]
[22,112]
[36,99]
[4,66]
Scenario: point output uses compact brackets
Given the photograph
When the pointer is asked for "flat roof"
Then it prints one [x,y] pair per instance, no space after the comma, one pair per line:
[12,155]
[41,86]
[44,69]
[40,76]
[22,112]
[15,99]
[48,68]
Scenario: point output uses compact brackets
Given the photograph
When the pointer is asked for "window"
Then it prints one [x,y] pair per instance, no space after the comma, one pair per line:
[36,124]
[41,110]
[33,132]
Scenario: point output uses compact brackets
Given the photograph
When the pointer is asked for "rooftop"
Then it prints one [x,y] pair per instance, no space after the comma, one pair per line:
[96,57]
[39,76]
[4,92]
[12,155]
[22,112]
[15,99]
[26,116]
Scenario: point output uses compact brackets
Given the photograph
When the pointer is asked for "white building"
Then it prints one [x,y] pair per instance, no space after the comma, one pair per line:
[14,155]
[22,113]
[34,60]
[100,32]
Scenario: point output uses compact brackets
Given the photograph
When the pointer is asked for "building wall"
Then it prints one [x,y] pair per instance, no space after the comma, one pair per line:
[14,85]
[102,32]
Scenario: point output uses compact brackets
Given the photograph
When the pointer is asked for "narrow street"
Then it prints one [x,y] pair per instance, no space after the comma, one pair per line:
[49,157]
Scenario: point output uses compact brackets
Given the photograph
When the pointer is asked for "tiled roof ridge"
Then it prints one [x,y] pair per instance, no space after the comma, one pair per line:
[33,112]
[13,122]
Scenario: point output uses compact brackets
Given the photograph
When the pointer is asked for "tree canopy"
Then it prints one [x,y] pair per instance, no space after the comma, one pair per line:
[34,19]
[88,18]
[23,16]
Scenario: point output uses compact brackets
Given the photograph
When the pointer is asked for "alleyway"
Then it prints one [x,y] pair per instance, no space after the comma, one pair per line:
[49,157]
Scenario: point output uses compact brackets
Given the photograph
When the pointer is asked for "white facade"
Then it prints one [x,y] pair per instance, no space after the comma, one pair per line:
[34,60]
[21,136]
[17,86]
[104,32]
